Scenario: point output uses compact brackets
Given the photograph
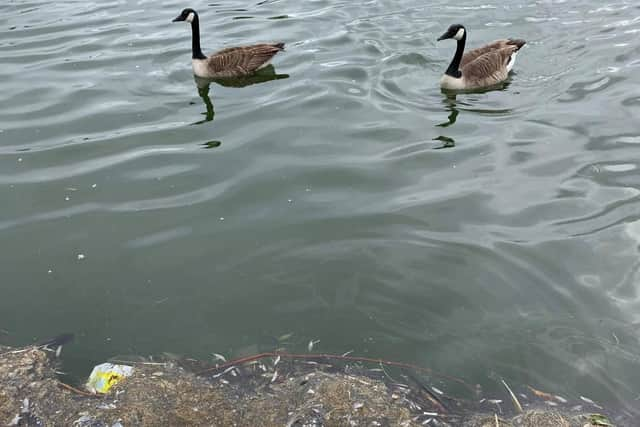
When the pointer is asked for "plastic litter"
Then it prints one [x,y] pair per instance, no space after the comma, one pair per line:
[106,375]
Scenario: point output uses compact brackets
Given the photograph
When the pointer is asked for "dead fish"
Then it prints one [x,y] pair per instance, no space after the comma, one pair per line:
[275,376]
[437,390]
[275,363]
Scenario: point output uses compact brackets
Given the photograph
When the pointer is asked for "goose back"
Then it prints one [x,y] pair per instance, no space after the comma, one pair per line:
[472,54]
[237,61]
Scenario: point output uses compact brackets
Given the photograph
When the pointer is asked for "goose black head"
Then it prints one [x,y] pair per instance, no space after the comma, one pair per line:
[456,31]
[186,15]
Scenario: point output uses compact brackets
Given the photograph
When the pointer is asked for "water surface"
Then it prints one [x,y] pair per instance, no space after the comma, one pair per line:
[489,235]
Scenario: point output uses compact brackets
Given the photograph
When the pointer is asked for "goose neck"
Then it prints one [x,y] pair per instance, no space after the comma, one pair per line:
[196,51]
[454,67]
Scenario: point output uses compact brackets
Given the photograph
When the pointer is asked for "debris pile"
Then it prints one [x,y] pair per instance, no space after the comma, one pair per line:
[274,389]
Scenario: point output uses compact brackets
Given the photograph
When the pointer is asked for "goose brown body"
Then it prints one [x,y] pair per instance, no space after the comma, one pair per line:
[236,61]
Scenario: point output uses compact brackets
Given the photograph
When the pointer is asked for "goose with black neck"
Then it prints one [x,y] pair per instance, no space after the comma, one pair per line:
[478,68]
[230,62]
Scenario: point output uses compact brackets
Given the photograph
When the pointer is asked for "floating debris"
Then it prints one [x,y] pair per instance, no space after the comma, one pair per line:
[311,344]
[514,399]
[591,402]
[541,394]
[229,369]
[285,337]
[218,356]
[560,398]
[599,420]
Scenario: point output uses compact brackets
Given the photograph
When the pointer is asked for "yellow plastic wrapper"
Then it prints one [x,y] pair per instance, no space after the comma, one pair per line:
[106,375]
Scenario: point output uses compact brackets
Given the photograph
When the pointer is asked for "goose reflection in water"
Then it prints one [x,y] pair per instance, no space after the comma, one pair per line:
[203,84]
[453,106]
[450,106]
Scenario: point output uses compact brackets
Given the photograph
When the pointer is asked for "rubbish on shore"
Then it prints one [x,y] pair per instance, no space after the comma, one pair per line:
[106,375]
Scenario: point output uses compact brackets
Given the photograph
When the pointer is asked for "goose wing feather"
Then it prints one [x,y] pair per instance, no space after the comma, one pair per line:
[241,61]
[489,68]
[472,54]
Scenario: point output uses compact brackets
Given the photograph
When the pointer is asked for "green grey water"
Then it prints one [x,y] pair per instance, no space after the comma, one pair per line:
[482,235]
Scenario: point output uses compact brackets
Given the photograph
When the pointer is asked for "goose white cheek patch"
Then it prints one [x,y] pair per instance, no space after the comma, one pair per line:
[190,17]
[459,34]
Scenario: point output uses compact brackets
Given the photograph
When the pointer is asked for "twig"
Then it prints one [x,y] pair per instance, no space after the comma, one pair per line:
[430,395]
[77,390]
[514,399]
[133,362]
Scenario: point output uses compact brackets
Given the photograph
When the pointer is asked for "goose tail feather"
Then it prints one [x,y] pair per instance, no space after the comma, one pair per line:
[518,43]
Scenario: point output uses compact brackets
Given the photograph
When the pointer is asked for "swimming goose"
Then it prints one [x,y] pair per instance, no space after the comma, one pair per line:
[230,62]
[479,68]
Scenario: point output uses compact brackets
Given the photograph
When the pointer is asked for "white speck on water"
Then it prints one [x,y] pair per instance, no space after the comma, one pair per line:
[221,218]
[307,190]
[67,198]
[49,271]
[94,185]
[289,201]
[354,90]
[19,159]
[80,256]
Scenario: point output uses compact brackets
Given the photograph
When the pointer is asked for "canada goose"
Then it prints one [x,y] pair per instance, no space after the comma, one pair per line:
[482,67]
[229,62]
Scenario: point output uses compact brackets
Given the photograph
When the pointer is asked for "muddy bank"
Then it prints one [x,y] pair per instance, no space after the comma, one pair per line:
[272,390]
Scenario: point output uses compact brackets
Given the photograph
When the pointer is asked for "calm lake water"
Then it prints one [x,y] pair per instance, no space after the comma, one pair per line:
[486,236]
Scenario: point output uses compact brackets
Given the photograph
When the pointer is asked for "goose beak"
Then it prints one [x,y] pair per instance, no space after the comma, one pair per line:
[444,36]
[178,19]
